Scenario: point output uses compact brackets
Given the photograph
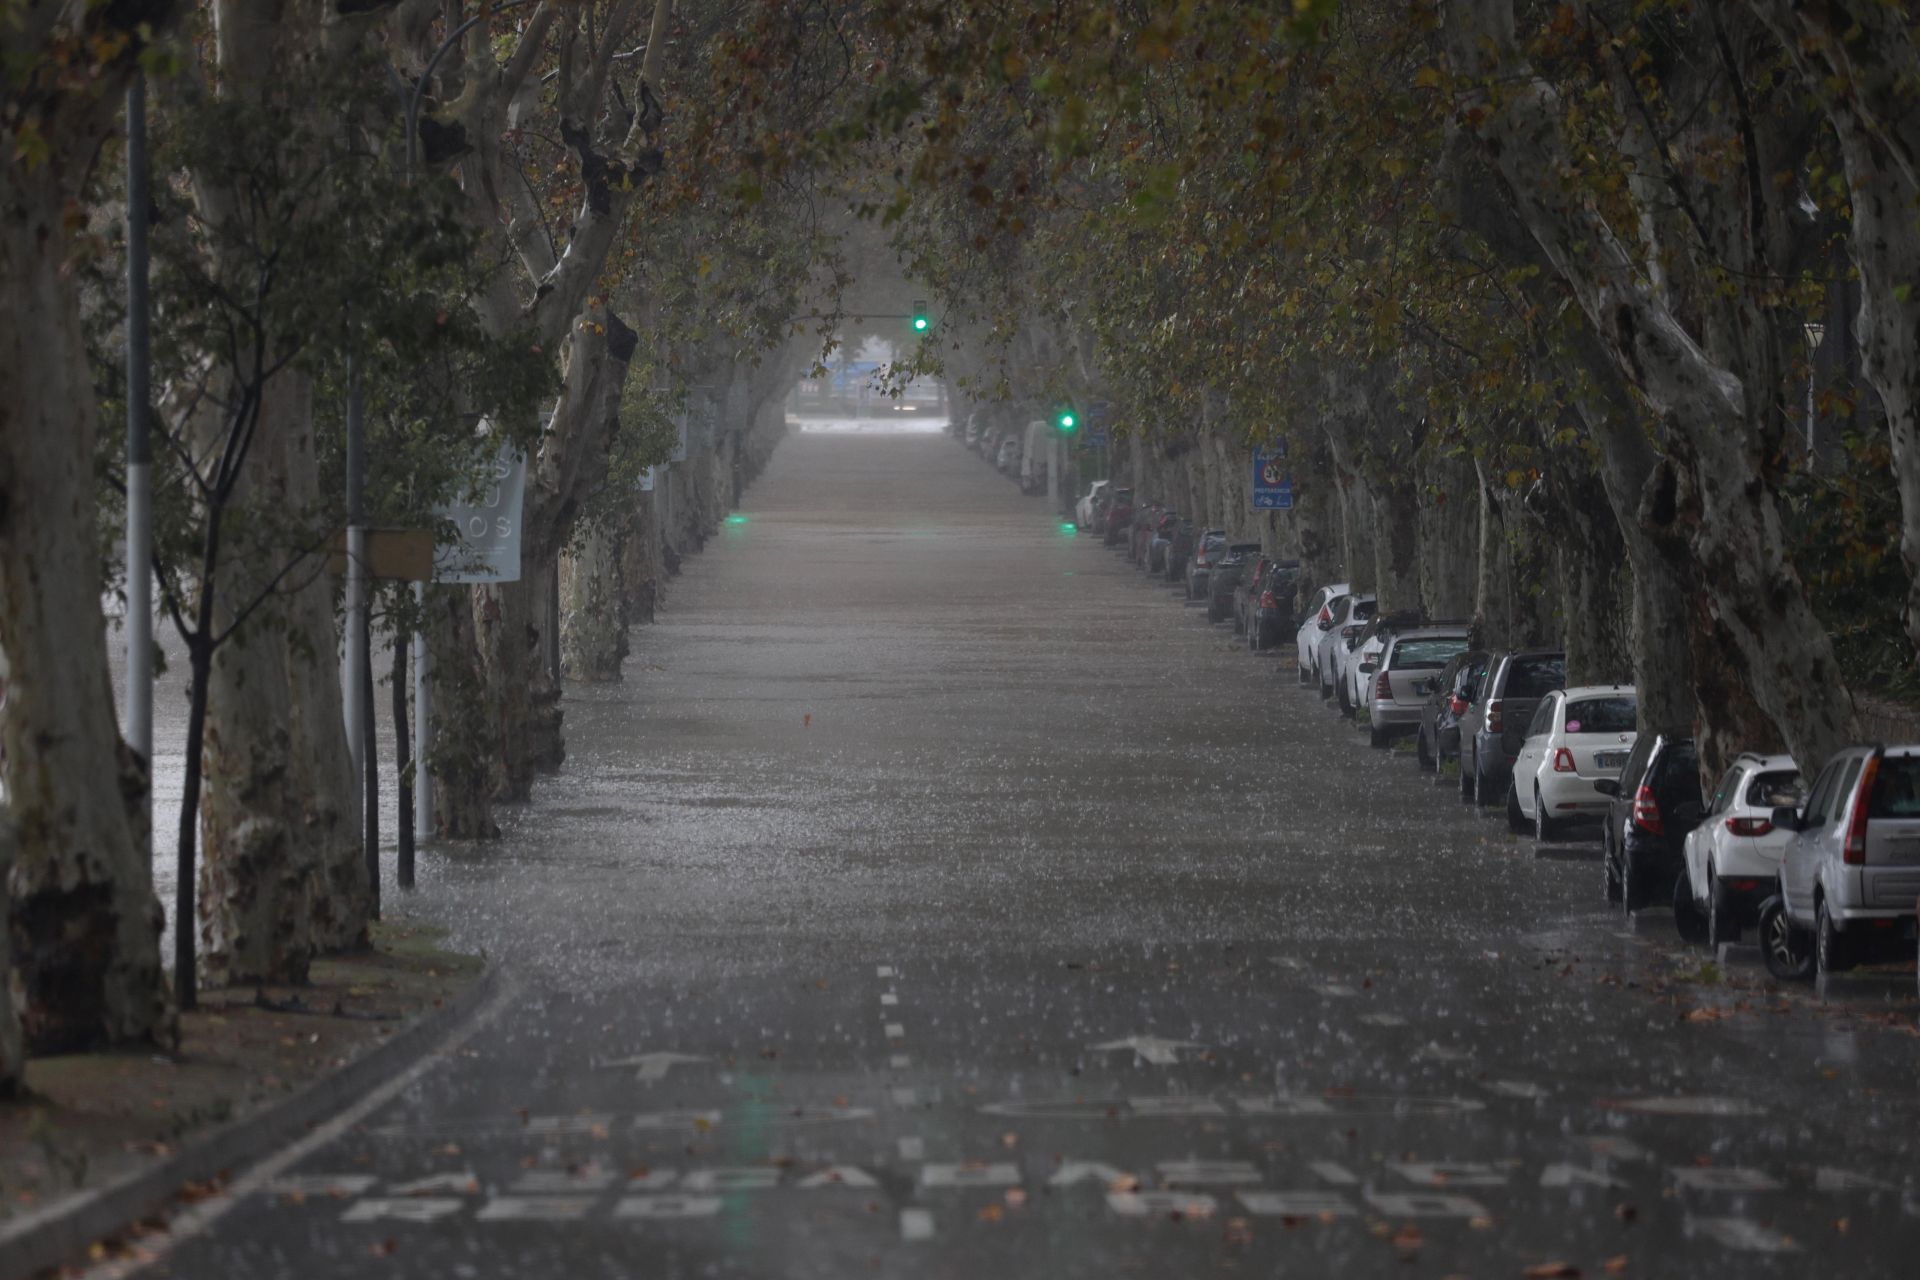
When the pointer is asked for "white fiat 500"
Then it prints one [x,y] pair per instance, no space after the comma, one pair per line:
[1733,857]
[1577,737]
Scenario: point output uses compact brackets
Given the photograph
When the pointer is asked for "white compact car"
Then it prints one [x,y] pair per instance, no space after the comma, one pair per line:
[1314,629]
[1350,617]
[1732,858]
[1576,738]
[1083,510]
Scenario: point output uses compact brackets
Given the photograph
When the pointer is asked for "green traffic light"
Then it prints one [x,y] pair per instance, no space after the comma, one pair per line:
[1067,422]
[919,324]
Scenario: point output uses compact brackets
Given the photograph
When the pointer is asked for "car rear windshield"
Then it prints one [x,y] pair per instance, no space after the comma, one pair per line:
[1364,610]
[1896,789]
[1602,715]
[1777,789]
[1680,762]
[1426,655]
[1535,677]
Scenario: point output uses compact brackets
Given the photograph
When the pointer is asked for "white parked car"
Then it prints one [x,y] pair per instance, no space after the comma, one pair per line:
[1350,617]
[1083,510]
[1732,859]
[1008,456]
[1314,629]
[1577,737]
[1408,668]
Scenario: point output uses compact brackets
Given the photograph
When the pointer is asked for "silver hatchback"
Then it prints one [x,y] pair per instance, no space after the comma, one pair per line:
[1850,874]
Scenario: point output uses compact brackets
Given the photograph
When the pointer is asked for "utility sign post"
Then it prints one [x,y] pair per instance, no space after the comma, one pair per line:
[1272,482]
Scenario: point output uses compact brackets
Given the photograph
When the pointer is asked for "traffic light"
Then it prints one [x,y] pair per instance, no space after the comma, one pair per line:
[1066,420]
[921,322]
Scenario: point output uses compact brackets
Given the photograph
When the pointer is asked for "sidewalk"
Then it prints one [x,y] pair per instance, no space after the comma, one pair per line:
[107,1139]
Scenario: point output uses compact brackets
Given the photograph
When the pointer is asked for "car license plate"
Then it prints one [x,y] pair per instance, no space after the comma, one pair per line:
[1609,759]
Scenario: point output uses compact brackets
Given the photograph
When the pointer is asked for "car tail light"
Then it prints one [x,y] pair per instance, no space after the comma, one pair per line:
[1563,761]
[1457,705]
[1749,826]
[1383,688]
[1855,852]
[1493,716]
[1646,812]
[1325,616]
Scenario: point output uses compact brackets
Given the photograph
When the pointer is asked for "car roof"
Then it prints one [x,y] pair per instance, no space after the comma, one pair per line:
[1759,763]
[1431,633]
[1598,691]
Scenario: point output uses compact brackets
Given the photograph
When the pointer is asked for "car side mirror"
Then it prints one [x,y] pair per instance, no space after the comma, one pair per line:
[1368,668]
[1607,786]
[1788,818]
[1688,813]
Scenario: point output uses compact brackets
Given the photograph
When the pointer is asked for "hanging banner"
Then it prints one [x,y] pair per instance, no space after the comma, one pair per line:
[488,548]
[1272,482]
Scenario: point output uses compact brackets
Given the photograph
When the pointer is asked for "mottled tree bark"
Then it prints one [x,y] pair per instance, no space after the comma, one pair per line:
[85,927]
[593,634]
[1448,535]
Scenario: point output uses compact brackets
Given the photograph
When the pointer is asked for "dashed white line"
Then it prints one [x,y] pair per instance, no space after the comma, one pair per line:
[913,1148]
[916,1224]
[896,1031]
[884,971]
[900,1062]
[905,1097]
[889,997]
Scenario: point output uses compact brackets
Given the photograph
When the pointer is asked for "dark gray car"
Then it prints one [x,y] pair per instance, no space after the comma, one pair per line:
[1439,735]
[1495,725]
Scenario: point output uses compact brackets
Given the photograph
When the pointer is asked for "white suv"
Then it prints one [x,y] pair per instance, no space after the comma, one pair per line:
[1851,871]
[1577,737]
[1732,859]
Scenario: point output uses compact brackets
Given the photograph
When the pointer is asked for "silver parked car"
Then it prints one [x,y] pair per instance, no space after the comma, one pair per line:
[1850,875]
[1397,685]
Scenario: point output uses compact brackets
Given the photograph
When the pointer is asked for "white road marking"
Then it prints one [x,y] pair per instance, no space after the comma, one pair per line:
[1297,1204]
[1141,1204]
[463,1183]
[1425,1204]
[751,1177]
[538,1182]
[884,971]
[681,1119]
[1721,1178]
[1525,1090]
[969,1175]
[889,998]
[1153,1049]
[1331,1171]
[1684,1105]
[535,1209]
[646,1208]
[1336,990]
[1440,1173]
[1175,1106]
[839,1175]
[906,1097]
[1744,1234]
[913,1148]
[1073,1172]
[1572,1175]
[1826,1179]
[1207,1173]
[400,1209]
[896,1031]
[916,1224]
[1383,1020]
[900,1062]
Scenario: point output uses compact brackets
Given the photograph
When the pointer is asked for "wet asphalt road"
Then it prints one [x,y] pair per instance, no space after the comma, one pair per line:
[1010,922]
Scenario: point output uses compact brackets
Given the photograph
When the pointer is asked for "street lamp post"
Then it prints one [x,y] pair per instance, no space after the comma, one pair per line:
[139,710]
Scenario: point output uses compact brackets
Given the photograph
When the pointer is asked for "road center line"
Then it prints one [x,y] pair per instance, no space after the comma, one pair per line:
[916,1224]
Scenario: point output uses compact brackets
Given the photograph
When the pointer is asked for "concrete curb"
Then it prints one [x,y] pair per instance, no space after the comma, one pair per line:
[63,1232]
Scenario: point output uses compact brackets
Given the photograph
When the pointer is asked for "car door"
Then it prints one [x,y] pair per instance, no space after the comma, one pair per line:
[1534,749]
[1701,841]
[1800,863]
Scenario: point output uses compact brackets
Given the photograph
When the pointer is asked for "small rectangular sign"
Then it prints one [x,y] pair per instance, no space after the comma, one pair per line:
[488,549]
[1272,481]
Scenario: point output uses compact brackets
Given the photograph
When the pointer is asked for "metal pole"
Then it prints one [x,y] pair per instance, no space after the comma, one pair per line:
[1053,470]
[139,711]
[353,669]
[422,724]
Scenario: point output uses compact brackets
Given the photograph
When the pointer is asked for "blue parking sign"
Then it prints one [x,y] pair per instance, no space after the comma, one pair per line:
[1272,483]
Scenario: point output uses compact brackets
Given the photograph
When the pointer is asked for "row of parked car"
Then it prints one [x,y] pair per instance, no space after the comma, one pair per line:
[1823,877]
[1019,453]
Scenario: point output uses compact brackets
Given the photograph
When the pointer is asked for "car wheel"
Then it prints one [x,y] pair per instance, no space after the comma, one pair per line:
[1721,926]
[1687,916]
[1516,820]
[1614,891]
[1829,947]
[1782,946]
[1544,826]
[1421,756]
